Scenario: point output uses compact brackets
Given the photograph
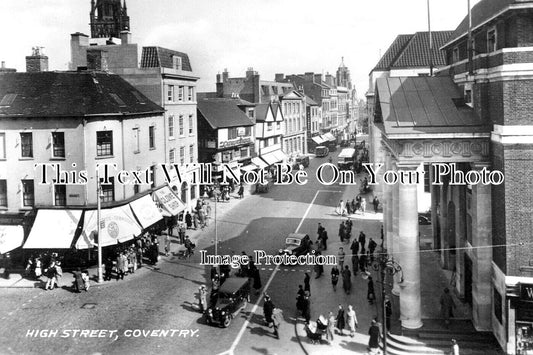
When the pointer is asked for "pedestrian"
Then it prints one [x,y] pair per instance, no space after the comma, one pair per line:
[370,295]
[121,266]
[324,239]
[362,262]
[306,309]
[167,244]
[181,232]
[50,273]
[363,206]
[347,280]
[38,267]
[307,285]
[340,320]
[300,299]
[375,335]
[341,208]
[340,258]
[78,280]
[371,248]
[362,241]
[351,319]
[334,277]
[319,268]
[256,278]
[320,229]
[268,309]
[140,251]
[241,191]
[455,348]
[375,202]
[342,232]
[108,267]
[195,221]
[330,330]
[388,312]
[59,274]
[29,266]
[215,282]
[188,220]
[277,316]
[202,298]
[354,206]
[446,306]
[85,278]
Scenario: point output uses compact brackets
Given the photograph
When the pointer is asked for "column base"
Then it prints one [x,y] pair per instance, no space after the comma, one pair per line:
[412,323]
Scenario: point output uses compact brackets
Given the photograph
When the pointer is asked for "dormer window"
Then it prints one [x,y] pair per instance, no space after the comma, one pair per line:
[176,62]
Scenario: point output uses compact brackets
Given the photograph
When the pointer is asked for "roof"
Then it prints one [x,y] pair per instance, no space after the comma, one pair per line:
[261,111]
[223,113]
[408,51]
[276,108]
[54,94]
[155,57]
[310,101]
[482,12]
[424,105]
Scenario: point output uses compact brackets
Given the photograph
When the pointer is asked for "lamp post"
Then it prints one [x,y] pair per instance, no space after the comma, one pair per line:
[99,244]
[385,264]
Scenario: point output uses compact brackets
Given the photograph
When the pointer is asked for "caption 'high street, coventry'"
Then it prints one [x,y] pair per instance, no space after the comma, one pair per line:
[166,263]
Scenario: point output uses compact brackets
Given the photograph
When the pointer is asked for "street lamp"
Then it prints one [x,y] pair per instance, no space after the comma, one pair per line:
[385,264]
[99,244]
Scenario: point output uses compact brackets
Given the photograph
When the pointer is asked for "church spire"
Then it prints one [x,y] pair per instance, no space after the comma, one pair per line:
[108,18]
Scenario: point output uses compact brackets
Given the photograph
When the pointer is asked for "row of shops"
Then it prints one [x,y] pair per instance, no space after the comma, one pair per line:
[76,229]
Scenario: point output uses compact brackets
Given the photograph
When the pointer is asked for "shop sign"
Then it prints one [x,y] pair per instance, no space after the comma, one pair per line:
[526,292]
[235,142]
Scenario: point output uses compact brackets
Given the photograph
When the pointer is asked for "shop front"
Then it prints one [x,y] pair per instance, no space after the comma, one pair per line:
[523,325]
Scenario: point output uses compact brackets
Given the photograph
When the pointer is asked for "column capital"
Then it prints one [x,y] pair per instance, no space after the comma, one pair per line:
[478,165]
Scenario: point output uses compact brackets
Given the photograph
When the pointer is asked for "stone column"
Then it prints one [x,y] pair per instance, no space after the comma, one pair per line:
[387,213]
[435,198]
[481,265]
[395,243]
[410,299]
[443,210]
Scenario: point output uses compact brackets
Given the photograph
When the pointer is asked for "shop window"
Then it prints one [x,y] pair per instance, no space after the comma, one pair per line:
[28,195]
[58,144]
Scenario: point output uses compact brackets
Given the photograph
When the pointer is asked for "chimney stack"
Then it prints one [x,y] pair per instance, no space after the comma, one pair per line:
[97,59]
[309,76]
[249,72]
[125,37]
[36,62]
[280,77]
[225,75]
[318,78]
[3,69]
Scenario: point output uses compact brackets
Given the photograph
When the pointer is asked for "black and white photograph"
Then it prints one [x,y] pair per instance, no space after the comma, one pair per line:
[240,177]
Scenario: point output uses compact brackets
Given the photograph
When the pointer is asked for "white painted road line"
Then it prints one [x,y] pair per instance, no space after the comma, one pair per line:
[256,305]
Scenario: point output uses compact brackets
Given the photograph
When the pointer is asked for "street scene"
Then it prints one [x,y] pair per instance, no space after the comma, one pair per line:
[179,178]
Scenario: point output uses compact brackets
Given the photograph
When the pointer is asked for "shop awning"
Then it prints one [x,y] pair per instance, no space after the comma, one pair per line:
[116,225]
[10,238]
[280,156]
[259,162]
[249,167]
[168,201]
[329,137]
[317,139]
[269,158]
[146,211]
[53,229]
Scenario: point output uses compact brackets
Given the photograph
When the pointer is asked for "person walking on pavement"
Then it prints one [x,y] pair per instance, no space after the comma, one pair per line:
[300,299]
[362,241]
[324,239]
[307,285]
[363,206]
[351,319]
[335,277]
[306,308]
[375,202]
[188,220]
[181,232]
[455,348]
[256,278]
[122,263]
[319,268]
[241,191]
[371,248]
[375,335]
[342,232]
[340,320]
[355,259]
[202,298]
[346,280]
[370,295]
[446,306]
[78,281]
[268,309]
[108,265]
[388,313]
[340,257]
[331,326]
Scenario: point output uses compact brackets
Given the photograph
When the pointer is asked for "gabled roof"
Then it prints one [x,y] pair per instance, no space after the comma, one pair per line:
[276,108]
[412,105]
[223,113]
[482,12]
[156,57]
[310,101]
[411,51]
[55,94]
[261,112]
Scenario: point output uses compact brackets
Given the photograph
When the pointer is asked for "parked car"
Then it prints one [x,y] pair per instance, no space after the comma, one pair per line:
[302,159]
[298,244]
[321,151]
[232,297]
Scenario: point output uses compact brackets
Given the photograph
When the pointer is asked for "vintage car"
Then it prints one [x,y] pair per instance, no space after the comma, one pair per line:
[321,151]
[301,159]
[298,244]
[231,298]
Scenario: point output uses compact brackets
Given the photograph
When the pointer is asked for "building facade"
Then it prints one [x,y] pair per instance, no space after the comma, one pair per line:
[294,138]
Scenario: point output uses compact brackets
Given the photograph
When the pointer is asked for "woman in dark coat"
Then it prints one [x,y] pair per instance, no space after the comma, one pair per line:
[335,277]
[188,220]
[307,285]
[370,295]
[306,308]
[257,279]
[346,279]
[300,298]
[340,320]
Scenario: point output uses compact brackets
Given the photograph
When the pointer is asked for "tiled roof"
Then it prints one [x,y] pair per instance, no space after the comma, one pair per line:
[310,101]
[55,94]
[223,113]
[261,112]
[481,13]
[276,108]
[155,57]
[408,51]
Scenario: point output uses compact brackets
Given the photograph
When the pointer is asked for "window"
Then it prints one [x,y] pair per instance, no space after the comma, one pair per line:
[468,97]
[176,62]
[136,189]
[3,193]
[455,55]
[171,126]
[151,137]
[180,93]
[152,176]
[180,125]
[26,145]
[172,156]
[2,145]
[170,93]
[108,190]
[278,125]
[276,140]
[136,141]
[191,153]
[182,155]
[244,152]
[28,196]
[251,113]
[491,40]
[191,124]
[104,143]
[269,126]
[60,195]
[190,95]
[426,178]
[58,144]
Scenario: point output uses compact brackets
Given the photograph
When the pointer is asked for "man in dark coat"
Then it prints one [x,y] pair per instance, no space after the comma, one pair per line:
[362,241]
[307,285]
[108,269]
[256,277]
[446,306]
[78,281]
[370,295]
[373,342]
[371,248]
[375,202]
[268,309]
[340,320]
[341,232]
[306,308]
[300,298]
[188,220]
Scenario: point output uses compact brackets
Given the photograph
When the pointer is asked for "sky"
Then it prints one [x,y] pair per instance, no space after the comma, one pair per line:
[272,36]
